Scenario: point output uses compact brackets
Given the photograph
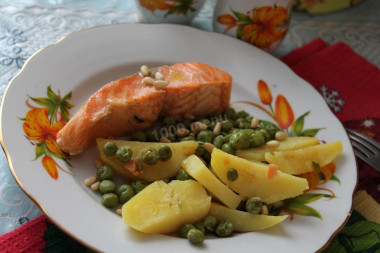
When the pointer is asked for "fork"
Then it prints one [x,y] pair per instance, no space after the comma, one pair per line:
[366,149]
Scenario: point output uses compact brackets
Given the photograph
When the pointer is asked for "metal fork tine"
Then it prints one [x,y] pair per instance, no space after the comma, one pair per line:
[365,137]
[363,145]
[361,152]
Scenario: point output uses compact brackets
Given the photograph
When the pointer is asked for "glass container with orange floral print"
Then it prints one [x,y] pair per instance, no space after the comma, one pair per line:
[262,23]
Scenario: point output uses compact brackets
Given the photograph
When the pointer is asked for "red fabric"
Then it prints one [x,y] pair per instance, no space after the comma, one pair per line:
[351,86]
[349,82]
[27,238]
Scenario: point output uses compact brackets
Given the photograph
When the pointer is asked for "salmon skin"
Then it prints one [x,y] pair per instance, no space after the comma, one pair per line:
[129,104]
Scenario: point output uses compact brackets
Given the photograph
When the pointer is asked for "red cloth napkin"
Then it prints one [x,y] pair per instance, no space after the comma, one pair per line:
[351,87]
[349,84]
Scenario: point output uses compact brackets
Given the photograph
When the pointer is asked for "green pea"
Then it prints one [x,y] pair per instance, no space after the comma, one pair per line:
[182,175]
[228,149]
[218,141]
[231,113]
[138,185]
[254,205]
[195,236]
[256,140]
[247,131]
[244,125]
[169,120]
[227,125]
[109,200]
[210,223]
[124,154]
[110,148]
[226,138]
[232,174]
[150,156]
[249,118]
[207,122]
[266,134]
[138,136]
[237,122]
[125,192]
[164,152]
[200,225]
[104,172]
[242,114]
[200,149]
[107,186]
[187,138]
[212,125]
[152,135]
[271,128]
[205,136]
[234,131]
[224,228]
[240,140]
[184,229]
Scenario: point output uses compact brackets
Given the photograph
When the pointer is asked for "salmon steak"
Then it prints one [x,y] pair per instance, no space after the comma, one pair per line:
[135,103]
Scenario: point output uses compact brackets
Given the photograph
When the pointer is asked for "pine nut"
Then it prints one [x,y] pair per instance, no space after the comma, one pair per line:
[148,80]
[165,140]
[118,211]
[254,122]
[95,186]
[189,116]
[89,181]
[217,128]
[160,84]
[273,144]
[280,135]
[264,210]
[198,126]
[144,70]
[159,76]
[182,132]
[209,147]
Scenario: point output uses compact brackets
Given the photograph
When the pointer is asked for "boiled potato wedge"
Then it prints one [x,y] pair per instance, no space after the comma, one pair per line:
[150,173]
[163,208]
[252,180]
[196,168]
[301,160]
[290,143]
[244,221]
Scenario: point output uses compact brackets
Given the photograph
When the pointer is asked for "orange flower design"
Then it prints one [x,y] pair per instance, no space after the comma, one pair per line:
[268,26]
[41,126]
[284,112]
[37,126]
[261,27]
[264,92]
[154,5]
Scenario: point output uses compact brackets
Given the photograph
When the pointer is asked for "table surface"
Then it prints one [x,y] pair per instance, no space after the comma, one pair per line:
[28,25]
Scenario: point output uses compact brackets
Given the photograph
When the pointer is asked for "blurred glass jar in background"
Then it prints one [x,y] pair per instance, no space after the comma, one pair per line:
[262,23]
[168,11]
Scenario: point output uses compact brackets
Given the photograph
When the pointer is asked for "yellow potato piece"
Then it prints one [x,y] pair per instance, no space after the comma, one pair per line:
[196,168]
[290,143]
[161,170]
[163,208]
[252,180]
[244,221]
[301,160]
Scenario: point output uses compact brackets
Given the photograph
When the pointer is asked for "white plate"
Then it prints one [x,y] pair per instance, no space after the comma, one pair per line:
[84,61]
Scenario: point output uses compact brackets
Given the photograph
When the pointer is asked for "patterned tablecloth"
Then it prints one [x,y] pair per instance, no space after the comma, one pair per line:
[29,25]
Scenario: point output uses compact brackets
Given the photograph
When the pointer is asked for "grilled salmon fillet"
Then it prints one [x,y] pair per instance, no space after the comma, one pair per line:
[129,104]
